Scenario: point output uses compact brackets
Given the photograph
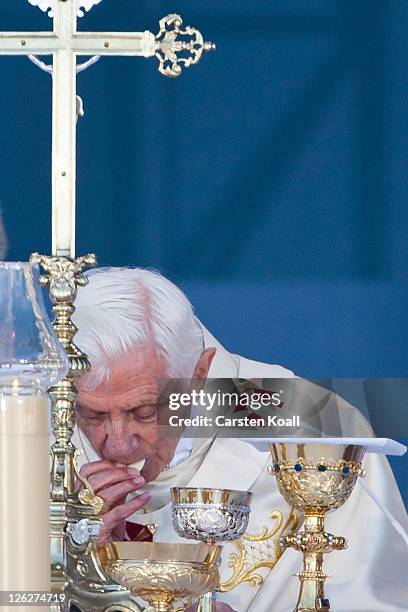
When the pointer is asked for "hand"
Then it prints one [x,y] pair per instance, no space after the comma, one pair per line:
[221,607]
[113,482]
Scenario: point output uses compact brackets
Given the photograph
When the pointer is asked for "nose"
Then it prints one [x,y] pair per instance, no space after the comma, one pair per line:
[120,443]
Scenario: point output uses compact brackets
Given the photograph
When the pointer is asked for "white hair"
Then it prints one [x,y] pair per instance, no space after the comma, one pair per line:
[123,308]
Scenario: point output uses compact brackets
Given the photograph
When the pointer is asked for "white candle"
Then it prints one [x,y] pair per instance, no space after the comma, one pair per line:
[24,496]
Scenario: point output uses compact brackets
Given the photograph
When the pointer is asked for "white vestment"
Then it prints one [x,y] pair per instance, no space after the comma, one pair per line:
[370,576]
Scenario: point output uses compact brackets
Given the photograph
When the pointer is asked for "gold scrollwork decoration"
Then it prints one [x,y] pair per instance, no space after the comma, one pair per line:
[254,552]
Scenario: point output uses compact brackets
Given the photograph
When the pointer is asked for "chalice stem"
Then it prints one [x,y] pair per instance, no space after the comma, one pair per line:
[311,596]
[207,603]
[312,578]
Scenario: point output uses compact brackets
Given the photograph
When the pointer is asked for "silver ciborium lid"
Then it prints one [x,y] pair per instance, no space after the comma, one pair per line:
[210,515]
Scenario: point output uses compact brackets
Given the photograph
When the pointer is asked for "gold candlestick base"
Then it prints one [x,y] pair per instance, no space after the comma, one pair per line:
[315,479]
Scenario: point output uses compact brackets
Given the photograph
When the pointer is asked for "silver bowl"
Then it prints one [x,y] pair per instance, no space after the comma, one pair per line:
[210,515]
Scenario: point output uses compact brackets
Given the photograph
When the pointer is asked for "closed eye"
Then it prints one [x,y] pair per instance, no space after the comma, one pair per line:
[96,417]
[90,415]
[144,414]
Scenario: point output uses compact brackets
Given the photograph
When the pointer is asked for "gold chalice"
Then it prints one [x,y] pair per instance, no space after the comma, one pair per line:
[162,573]
[315,478]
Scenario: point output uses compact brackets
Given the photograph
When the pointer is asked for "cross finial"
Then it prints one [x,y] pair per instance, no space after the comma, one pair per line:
[172,51]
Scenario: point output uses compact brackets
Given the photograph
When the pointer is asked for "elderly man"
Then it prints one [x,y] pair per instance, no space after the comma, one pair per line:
[138,329]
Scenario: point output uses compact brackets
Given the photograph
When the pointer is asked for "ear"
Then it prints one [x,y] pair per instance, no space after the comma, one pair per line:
[204,362]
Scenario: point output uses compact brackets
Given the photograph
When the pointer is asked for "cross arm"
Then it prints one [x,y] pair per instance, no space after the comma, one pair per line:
[174,46]
[25,43]
[83,43]
[115,43]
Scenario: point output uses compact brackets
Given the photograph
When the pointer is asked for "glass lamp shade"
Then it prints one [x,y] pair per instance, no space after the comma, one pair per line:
[31,356]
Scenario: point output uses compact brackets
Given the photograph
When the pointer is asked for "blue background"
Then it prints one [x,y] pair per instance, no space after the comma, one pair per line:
[269,181]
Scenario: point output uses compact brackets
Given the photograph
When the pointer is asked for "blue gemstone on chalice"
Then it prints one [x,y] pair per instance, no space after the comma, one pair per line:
[346,469]
[322,468]
[298,467]
[277,467]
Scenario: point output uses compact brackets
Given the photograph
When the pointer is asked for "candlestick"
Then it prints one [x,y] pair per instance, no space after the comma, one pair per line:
[31,360]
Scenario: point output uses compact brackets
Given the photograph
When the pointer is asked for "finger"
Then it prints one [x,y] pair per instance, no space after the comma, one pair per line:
[118,534]
[103,480]
[112,518]
[98,466]
[112,495]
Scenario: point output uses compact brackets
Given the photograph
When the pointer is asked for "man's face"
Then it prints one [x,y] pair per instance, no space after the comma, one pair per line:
[119,418]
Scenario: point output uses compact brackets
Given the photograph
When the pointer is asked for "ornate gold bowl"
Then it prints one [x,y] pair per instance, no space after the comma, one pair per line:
[315,478]
[161,573]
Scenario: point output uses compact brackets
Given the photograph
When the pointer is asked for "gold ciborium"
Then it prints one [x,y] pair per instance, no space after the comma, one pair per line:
[315,478]
[162,573]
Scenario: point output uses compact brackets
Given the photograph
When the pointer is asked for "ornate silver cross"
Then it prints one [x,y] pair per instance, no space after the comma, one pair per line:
[173,46]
